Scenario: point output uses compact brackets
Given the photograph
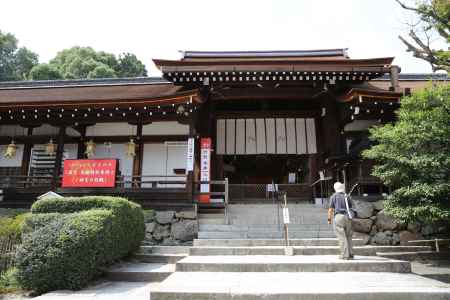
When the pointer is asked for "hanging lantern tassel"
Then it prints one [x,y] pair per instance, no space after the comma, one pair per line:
[90,148]
[10,151]
[131,148]
[50,148]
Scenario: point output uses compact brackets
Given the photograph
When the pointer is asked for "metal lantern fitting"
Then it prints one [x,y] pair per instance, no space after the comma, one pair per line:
[90,148]
[180,109]
[50,148]
[131,148]
[10,151]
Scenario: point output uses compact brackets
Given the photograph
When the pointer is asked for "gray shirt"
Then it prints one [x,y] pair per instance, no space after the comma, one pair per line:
[337,202]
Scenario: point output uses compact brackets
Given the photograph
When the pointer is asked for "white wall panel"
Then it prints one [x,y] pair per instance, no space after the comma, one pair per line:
[260,136]
[290,136]
[116,151]
[165,128]
[311,136]
[301,136]
[70,151]
[270,134]
[240,136]
[12,130]
[220,137]
[231,136]
[111,129]
[16,161]
[250,132]
[281,136]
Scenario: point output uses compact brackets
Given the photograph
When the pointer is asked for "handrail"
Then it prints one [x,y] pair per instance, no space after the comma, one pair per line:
[225,193]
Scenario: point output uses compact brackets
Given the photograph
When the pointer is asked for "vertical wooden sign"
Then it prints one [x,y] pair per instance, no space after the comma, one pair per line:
[205,168]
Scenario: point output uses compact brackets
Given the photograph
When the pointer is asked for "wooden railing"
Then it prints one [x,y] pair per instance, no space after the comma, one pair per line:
[8,246]
[225,193]
[122,181]
[249,192]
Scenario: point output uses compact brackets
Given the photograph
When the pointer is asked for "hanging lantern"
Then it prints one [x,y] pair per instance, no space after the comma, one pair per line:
[10,151]
[50,148]
[131,148]
[90,148]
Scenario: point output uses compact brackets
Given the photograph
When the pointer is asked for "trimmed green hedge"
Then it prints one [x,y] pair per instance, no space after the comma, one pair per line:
[71,240]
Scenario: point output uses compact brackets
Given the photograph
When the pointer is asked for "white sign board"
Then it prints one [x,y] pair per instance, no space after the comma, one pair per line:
[286,215]
[272,187]
[190,155]
[292,178]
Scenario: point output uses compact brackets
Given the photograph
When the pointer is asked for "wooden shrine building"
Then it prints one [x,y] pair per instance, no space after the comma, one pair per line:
[298,119]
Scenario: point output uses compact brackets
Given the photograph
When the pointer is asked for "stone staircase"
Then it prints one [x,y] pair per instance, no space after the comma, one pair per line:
[150,264]
[257,269]
[245,260]
[255,221]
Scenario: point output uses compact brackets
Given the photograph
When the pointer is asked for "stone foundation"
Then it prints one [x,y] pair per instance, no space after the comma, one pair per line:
[375,227]
[170,228]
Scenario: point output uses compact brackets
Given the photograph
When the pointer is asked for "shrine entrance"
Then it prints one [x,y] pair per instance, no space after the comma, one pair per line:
[251,177]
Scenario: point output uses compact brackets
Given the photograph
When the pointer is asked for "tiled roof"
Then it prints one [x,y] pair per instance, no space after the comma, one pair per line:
[418,76]
[252,54]
[82,82]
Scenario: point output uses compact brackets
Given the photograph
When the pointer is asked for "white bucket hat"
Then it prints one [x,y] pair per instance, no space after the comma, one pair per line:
[339,187]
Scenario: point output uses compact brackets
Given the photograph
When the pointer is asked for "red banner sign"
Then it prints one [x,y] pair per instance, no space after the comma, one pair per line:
[89,173]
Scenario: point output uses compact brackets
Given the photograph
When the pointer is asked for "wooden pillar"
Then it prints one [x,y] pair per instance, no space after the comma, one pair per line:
[190,176]
[139,157]
[59,156]
[27,154]
[81,146]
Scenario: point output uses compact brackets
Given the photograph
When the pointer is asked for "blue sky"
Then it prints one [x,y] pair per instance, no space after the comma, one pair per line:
[158,29]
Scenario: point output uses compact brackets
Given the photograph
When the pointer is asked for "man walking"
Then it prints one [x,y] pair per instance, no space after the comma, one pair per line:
[340,208]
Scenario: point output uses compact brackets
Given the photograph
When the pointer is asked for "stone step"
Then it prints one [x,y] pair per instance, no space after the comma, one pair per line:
[299,263]
[164,249]
[269,242]
[266,227]
[215,221]
[264,234]
[299,286]
[300,250]
[139,272]
[407,254]
[158,258]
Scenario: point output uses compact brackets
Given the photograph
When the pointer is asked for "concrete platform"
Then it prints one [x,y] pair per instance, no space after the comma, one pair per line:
[302,263]
[139,272]
[299,286]
[301,250]
[269,242]
[105,291]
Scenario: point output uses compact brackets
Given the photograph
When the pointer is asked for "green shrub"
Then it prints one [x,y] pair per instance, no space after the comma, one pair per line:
[8,282]
[11,227]
[72,240]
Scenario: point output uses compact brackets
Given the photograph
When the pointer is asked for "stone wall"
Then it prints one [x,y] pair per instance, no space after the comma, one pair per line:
[170,228]
[375,227]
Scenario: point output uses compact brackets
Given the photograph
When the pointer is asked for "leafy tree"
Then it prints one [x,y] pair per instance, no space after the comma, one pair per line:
[44,72]
[433,18]
[15,63]
[414,157]
[85,62]
[130,66]
[102,71]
